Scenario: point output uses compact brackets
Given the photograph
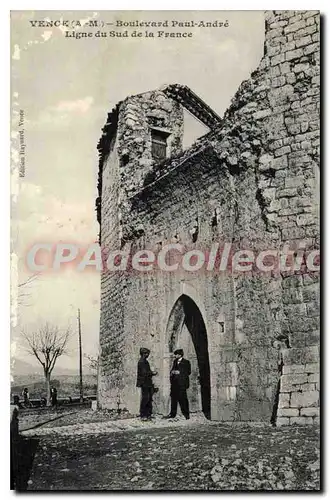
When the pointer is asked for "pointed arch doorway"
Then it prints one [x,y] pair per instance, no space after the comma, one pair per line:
[186,330]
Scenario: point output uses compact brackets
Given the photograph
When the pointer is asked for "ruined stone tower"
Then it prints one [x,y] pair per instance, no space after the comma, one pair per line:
[251,181]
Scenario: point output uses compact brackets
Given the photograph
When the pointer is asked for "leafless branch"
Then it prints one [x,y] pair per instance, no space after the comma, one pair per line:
[47,344]
[28,281]
[93,361]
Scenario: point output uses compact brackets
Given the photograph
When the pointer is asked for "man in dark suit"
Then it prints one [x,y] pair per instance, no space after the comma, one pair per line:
[179,378]
[144,380]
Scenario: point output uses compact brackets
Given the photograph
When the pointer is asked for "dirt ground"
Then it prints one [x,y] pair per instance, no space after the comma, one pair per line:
[163,455]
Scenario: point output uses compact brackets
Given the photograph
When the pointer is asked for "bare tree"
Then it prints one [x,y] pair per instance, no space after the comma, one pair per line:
[47,344]
[93,362]
[24,291]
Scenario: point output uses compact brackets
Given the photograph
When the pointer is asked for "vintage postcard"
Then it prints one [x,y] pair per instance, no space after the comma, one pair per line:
[165,250]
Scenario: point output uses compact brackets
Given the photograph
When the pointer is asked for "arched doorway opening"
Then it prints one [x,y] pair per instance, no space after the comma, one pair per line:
[186,329]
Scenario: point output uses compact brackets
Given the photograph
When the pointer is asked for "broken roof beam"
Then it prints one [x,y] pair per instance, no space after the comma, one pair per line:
[193,104]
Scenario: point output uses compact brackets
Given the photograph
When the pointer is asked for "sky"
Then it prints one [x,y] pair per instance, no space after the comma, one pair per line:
[65,87]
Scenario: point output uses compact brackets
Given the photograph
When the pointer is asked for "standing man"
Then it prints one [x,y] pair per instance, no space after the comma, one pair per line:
[144,380]
[53,393]
[26,398]
[179,378]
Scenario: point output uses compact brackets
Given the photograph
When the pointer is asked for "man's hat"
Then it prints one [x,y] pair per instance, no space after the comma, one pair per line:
[144,350]
[179,351]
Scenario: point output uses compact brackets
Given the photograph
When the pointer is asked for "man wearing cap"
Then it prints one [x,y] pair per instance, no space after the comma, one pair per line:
[179,378]
[144,380]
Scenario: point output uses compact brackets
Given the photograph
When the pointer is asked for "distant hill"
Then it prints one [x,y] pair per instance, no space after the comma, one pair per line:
[19,367]
[24,374]
[22,370]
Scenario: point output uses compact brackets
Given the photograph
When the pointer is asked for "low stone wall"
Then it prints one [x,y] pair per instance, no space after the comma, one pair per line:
[299,392]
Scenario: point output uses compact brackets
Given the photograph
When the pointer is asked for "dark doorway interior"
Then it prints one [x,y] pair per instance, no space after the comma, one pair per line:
[196,327]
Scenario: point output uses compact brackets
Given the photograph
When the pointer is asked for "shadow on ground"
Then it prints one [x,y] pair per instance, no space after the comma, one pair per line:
[22,453]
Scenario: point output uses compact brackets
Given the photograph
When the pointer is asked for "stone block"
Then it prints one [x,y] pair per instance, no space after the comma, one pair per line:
[305,387]
[274,32]
[310,412]
[312,368]
[265,162]
[309,30]
[293,54]
[282,151]
[312,354]
[280,58]
[288,412]
[299,356]
[290,383]
[304,202]
[288,46]
[313,338]
[313,309]
[301,421]
[314,377]
[274,70]
[306,145]
[297,339]
[273,50]
[278,81]
[280,163]
[294,181]
[306,219]
[282,421]
[232,370]
[289,369]
[284,400]
[311,293]
[295,18]
[285,68]
[291,296]
[226,413]
[294,27]
[305,324]
[311,13]
[269,194]
[286,193]
[292,282]
[312,231]
[304,399]
[263,113]
[294,379]
[294,129]
[231,393]
[305,40]
[298,68]
[278,24]
[274,206]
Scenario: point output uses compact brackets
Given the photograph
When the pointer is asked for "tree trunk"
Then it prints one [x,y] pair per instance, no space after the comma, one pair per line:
[47,377]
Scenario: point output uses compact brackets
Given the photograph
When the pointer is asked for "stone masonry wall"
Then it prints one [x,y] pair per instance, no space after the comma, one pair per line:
[238,310]
[292,61]
[123,172]
[137,116]
[252,182]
